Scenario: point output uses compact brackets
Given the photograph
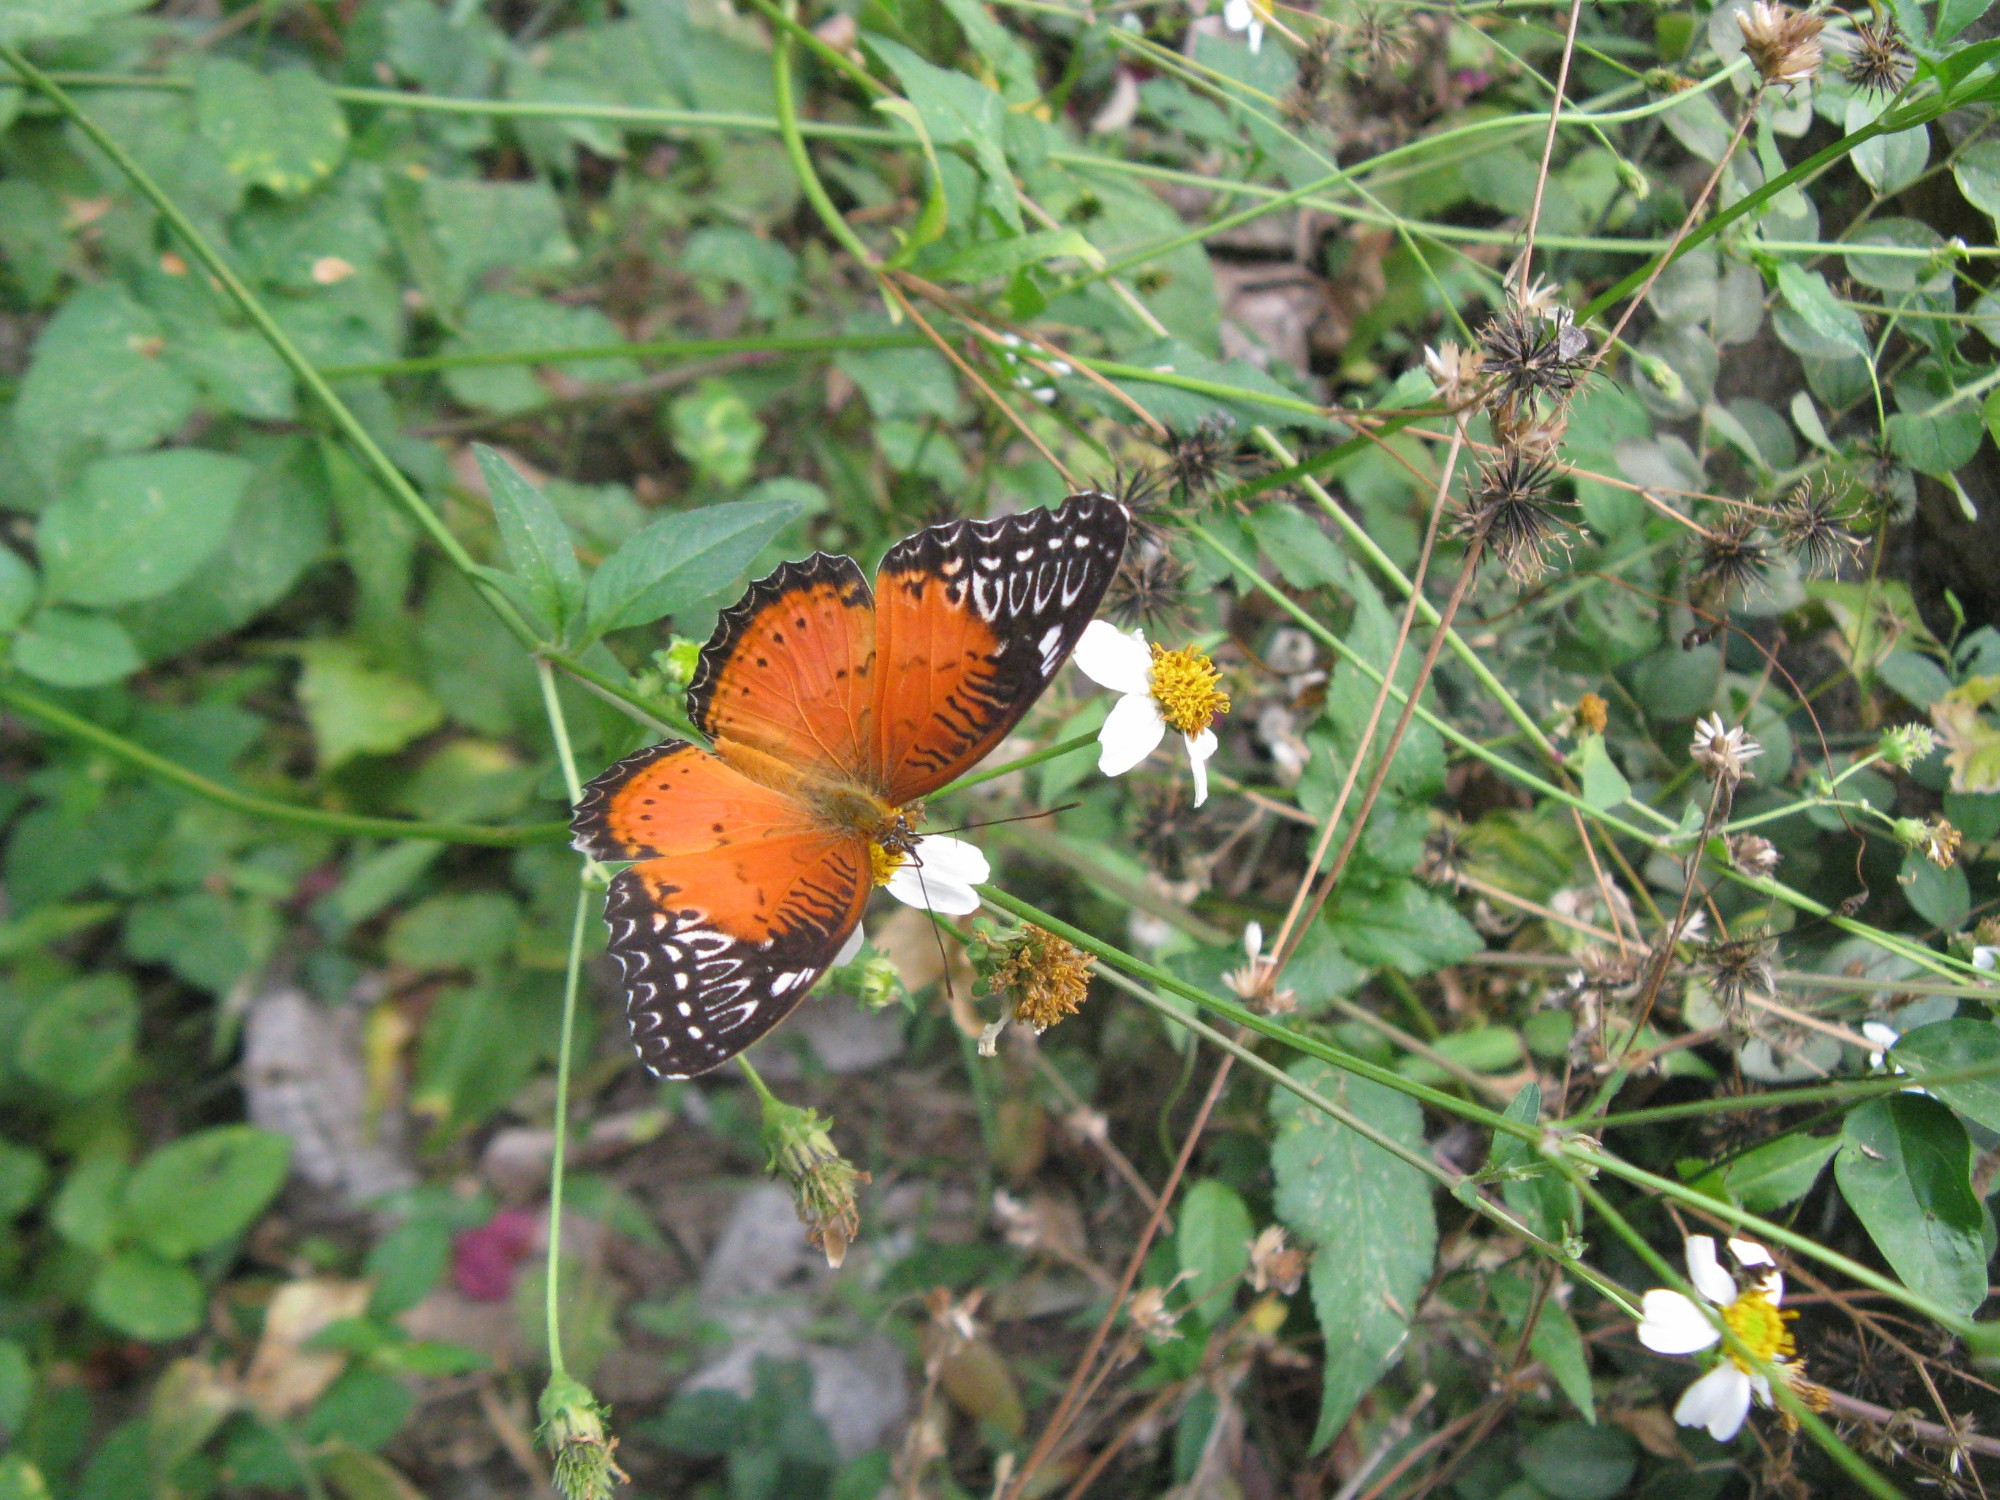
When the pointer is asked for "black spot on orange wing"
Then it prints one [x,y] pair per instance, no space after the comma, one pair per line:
[972,621]
[790,669]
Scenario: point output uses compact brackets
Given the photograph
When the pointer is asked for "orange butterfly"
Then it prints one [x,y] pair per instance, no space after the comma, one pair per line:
[833,711]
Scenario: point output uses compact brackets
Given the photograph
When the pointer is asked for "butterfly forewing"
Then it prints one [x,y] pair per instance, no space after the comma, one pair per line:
[789,671]
[737,904]
[972,620]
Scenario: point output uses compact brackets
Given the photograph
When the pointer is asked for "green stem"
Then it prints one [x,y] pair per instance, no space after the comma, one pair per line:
[1855,1091]
[353,824]
[552,1315]
[795,148]
[1034,758]
[668,349]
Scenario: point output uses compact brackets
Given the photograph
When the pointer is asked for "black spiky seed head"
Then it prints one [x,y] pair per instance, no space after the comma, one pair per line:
[1878,60]
[1734,558]
[1815,524]
[1204,456]
[1512,512]
[1739,971]
[1149,590]
[1532,359]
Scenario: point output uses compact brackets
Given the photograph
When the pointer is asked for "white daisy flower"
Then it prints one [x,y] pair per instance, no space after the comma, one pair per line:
[1671,1323]
[938,874]
[1247,16]
[1159,690]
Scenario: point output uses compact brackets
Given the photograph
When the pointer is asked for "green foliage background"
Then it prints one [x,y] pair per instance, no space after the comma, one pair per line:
[387,385]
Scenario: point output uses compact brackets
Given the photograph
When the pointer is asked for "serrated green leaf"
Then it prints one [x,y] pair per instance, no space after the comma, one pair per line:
[537,543]
[958,112]
[1370,1219]
[135,527]
[503,323]
[1402,925]
[682,559]
[1905,1168]
[357,708]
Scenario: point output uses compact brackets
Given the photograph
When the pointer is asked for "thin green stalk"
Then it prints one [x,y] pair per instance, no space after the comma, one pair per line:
[1020,763]
[795,148]
[572,974]
[1855,1091]
[670,349]
[353,824]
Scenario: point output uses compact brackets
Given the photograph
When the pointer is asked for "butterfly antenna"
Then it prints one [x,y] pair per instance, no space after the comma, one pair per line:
[1028,817]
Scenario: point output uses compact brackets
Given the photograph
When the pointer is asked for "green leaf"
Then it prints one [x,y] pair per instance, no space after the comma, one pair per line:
[45,20]
[1940,897]
[1401,925]
[99,379]
[1300,548]
[1887,163]
[935,216]
[1369,1216]
[1978,174]
[1953,16]
[1555,1340]
[281,130]
[1932,431]
[459,931]
[958,112]
[987,259]
[1604,785]
[1213,1245]
[718,431]
[1543,1198]
[23,1173]
[135,527]
[476,227]
[682,559]
[1808,295]
[205,1188]
[1905,1168]
[1573,1462]
[538,544]
[356,708]
[18,588]
[148,1299]
[502,323]
[1773,1175]
[17,1388]
[80,1037]
[1953,1047]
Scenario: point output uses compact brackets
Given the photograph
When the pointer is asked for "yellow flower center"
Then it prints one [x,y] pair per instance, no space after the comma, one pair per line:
[1760,1324]
[1183,685]
[882,863]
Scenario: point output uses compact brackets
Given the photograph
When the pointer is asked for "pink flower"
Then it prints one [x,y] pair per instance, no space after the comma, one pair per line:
[483,1259]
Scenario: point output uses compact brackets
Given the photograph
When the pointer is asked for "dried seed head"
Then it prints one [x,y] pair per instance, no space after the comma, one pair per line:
[823,1181]
[1878,60]
[1738,972]
[1534,358]
[1903,745]
[1753,855]
[1149,591]
[1723,753]
[1310,103]
[1204,458]
[1455,372]
[1378,39]
[1275,1263]
[573,1434]
[1816,525]
[1782,42]
[1512,512]
[1734,560]
[1592,714]
[1041,976]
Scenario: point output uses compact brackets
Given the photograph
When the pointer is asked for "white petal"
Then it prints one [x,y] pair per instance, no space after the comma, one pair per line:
[1882,1036]
[1706,1272]
[1750,1253]
[1719,1401]
[952,859]
[1200,747]
[928,891]
[1256,35]
[1253,941]
[1132,732]
[1236,14]
[1760,1386]
[1111,658]
[1985,958]
[1672,1324]
[850,948]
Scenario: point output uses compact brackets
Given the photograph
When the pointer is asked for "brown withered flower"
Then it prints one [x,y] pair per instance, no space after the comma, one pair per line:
[1203,458]
[1734,560]
[1738,972]
[1043,978]
[1533,359]
[1753,855]
[1783,43]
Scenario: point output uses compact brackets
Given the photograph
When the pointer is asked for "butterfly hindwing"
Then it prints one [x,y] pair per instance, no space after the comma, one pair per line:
[972,620]
[736,906]
[790,669]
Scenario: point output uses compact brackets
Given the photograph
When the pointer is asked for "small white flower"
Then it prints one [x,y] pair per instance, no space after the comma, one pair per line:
[1158,689]
[1884,1037]
[1985,958]
[939,875]
[1246,16]
[1671,1323]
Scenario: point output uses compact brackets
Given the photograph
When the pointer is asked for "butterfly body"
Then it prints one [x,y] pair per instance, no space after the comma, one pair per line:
[832,711]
